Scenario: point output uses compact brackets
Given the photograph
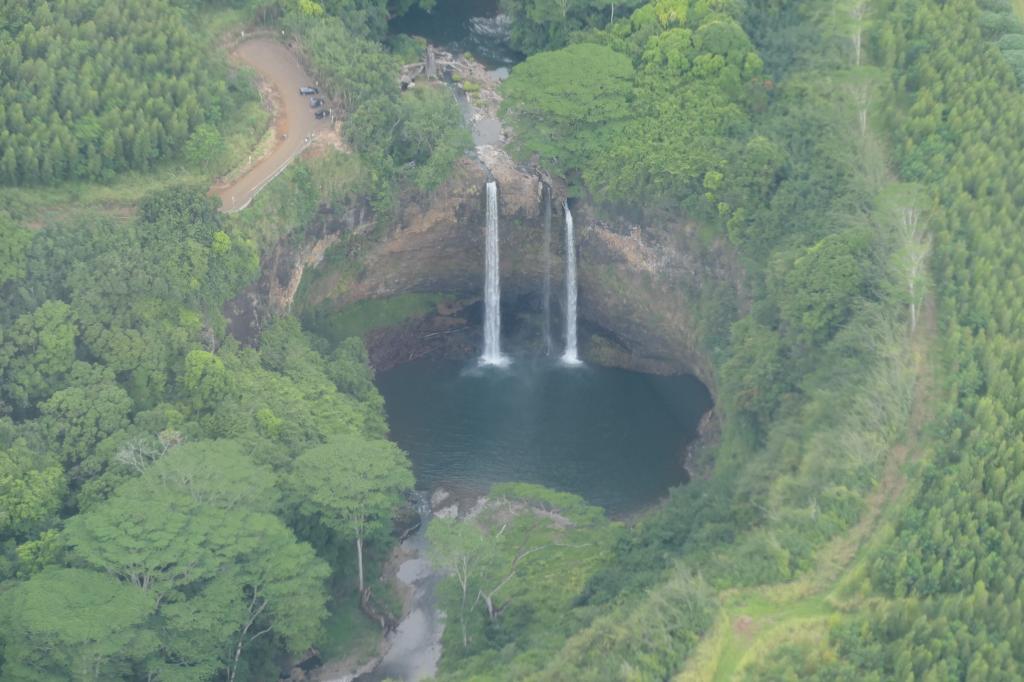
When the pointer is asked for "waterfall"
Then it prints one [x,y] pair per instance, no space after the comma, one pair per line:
[492,284]
[548,345]
[570,356]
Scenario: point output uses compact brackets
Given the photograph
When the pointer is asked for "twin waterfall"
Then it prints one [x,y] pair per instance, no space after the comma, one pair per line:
[492,354]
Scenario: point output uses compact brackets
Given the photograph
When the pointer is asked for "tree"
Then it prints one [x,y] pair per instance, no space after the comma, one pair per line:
[565,103]
[40,352]
[207,382]
[457,548]
[75,124]
[75,624]
[903,206]
[78,417]
[754,378]
[527,547]
[191,535]
[31,491]
[431,137]
[159,541]
[353,485]
[861,83]
[817,291]
[205,147]
[217,473]
[14,242]
[274,587]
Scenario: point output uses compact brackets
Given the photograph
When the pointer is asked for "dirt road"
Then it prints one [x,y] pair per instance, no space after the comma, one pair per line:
[294,126]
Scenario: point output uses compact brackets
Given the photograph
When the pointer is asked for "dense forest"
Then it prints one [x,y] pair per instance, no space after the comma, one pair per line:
[133,416]
[770,146]
[81,97]
[179,504]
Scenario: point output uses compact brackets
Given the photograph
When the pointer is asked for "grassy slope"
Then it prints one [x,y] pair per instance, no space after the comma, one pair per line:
[364,316]
[755,621]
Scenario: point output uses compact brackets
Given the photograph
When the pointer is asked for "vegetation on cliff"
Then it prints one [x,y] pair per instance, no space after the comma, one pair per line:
[946,581]
[772,143]
[151,476]
[176,506]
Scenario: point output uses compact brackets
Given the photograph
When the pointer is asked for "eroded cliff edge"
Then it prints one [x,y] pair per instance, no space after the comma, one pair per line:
[642,286]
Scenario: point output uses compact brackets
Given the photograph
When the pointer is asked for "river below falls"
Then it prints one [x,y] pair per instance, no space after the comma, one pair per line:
[614,437]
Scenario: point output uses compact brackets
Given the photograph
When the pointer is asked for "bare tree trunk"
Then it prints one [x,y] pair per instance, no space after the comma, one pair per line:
[359,554]
[490,607]
[463,576]
[857,13]
[917,246]
[430,66]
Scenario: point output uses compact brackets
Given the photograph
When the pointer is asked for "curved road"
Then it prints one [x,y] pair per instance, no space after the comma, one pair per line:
[294,124]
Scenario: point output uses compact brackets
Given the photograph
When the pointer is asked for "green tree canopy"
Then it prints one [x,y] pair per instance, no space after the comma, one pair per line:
[566,104]
[353,485]
[70,623]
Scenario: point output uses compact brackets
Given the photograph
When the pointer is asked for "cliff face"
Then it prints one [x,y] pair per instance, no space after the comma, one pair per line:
[438,243]
[639,284]
[640,292]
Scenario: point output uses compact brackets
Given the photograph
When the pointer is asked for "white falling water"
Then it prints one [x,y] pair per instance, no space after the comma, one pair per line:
[548,345]
[492,284]
[571,355]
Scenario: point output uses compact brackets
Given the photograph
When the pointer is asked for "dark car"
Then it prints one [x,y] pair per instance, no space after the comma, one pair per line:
[307,90]
[315,103]
[323,113]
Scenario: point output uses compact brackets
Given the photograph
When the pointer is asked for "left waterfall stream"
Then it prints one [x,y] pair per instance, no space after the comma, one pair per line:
[492,284]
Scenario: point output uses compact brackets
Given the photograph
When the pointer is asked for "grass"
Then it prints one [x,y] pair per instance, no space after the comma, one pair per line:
[751,625]
[36,206]
[348,632]
[217,21]
[755,621]
[365,316]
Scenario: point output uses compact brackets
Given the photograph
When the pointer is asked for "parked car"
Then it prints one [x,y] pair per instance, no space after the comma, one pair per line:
[323,113]
[307,90]
[315,103]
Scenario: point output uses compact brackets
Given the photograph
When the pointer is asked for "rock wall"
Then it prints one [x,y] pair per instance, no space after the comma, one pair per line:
[639,284]
[282,269]
[640,290]
[438,242]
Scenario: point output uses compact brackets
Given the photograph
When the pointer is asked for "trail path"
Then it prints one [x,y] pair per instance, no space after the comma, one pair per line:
[294,126]
[755,620]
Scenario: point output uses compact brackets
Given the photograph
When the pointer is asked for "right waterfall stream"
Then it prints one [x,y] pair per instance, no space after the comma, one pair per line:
[571,354]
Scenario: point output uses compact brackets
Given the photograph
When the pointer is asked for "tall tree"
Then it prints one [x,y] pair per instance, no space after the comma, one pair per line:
[353,485]
[193,535]
[564,104]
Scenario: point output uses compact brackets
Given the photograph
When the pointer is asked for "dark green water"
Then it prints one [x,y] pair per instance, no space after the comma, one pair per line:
[612,436]
[459,26]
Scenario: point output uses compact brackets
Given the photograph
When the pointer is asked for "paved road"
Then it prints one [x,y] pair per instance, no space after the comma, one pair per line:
[295,123]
